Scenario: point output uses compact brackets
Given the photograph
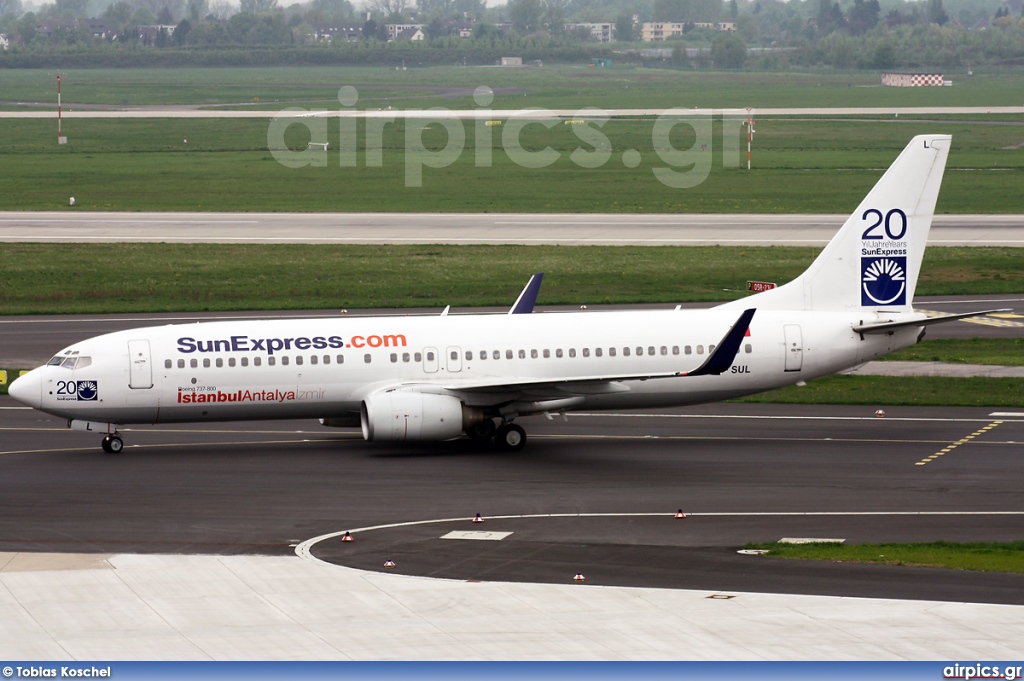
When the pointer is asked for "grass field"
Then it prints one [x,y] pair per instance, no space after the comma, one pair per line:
[907,391]
[987,557]
[559,86]
[799,167]
[96,278]
[993,351]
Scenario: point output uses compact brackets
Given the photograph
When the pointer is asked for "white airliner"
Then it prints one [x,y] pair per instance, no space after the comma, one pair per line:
[407,378]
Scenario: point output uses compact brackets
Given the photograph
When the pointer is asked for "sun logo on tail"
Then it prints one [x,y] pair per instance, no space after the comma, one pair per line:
[884,281]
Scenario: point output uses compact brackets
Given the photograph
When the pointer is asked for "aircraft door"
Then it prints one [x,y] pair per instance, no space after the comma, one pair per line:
[140,368]
[454,356]
[430,361]
[794,347]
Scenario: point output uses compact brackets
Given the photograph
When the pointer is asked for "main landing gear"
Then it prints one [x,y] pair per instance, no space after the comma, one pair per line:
[508,437]
[113,444]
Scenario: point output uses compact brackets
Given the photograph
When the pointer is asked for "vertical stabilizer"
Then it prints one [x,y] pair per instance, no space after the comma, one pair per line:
[874,261]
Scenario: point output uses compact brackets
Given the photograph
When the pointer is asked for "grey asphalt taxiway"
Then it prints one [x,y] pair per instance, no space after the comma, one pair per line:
[72,226]
[596,494]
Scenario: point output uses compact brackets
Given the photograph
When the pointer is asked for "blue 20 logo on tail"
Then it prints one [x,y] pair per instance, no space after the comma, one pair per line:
[883,281]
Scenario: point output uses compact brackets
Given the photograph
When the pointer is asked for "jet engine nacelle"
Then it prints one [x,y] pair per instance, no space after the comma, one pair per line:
[404,415]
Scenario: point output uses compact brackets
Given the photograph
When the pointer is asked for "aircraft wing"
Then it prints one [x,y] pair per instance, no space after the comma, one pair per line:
[887,327]
[718,362]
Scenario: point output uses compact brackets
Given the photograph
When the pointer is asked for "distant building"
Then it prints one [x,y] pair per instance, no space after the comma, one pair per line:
[340,31]
[413,34]
[656,31]
[913,79]
[601,32]
[4,42]
[394,30]
[511,61]
[149,34]
[101,29]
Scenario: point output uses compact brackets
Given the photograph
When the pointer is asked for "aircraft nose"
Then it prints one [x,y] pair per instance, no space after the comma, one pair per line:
[28,389]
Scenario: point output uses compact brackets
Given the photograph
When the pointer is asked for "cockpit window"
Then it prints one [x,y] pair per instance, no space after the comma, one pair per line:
[69,362]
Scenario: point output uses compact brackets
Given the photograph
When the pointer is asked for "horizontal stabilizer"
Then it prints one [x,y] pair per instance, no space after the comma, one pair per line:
[528,298]
[886,327]
[725,354]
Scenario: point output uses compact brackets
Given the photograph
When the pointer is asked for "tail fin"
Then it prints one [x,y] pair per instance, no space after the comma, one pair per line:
[873,262]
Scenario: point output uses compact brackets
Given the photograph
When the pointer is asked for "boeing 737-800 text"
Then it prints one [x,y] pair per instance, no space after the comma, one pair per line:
[436,378]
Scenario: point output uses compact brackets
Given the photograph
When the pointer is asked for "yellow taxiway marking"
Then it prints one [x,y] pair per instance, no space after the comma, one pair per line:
[948,449]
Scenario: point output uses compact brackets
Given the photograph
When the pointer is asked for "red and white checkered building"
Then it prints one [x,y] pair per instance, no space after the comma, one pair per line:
[911,79]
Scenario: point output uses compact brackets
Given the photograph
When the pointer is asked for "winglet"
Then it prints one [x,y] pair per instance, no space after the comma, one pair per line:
[722,358]
[528,298]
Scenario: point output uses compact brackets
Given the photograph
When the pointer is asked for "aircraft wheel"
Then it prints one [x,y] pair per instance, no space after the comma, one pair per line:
[113,444]
[510,438]
[481,432]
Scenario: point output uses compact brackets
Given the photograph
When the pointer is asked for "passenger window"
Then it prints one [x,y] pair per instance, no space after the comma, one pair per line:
[611,352]
[284,361]
[675,349]
[547,354]
[256,361]
[327,359]
[508,354]
[483,354]
[298,360]
[700,349]
[313,359]
[586,352]
[496,354]
[394,358]
[689,350]
[572,352]
[469,355]
[533,354]
[639,351]
[220,362]
[271,361]
[245,361]
[747,349]
[206,363]
[430,356]
[625,352]
[522,354]
[367,358]
[181,364]
[598,351]
[193,363]
[231,361]
[558,353]
[417,357]
[405,356]
[455,354]
[711,348]
[168,364]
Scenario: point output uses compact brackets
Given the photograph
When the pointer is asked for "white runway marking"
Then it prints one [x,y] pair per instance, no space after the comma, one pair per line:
[304,549]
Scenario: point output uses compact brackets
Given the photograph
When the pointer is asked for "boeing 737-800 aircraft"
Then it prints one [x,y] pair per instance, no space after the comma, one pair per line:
[436,378]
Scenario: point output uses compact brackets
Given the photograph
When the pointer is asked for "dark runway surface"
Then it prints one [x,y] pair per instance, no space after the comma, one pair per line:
[831,472]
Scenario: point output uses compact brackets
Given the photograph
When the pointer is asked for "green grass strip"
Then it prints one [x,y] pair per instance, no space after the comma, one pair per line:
[993,351]
[125,278]
[916,391]
[986,557]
